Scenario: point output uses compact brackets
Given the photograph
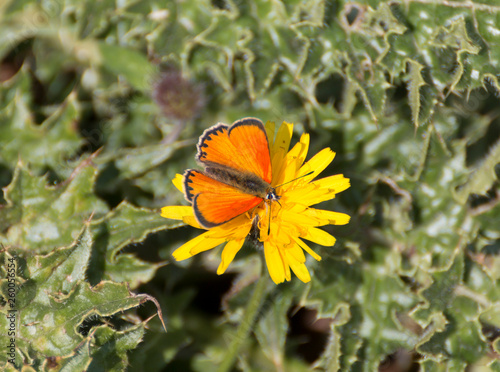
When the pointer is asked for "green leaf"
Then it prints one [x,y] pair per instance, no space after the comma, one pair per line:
[139,160]
[463,344]
[415,81]
[272,328]
[34,209]
[124,225]
[131,64]
[372,324]
[110,347]
[483,176]
[330,359]
[53,301]
[50,144]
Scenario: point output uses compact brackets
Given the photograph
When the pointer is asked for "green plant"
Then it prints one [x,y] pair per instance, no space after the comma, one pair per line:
[406,93]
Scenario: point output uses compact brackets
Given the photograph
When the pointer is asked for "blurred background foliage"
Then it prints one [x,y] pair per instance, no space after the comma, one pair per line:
[101,103]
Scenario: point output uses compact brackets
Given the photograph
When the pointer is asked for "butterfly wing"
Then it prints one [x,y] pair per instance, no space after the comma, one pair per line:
[214,202]
[243,146]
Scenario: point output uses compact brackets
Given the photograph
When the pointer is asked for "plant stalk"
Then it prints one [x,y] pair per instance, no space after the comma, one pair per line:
[247,322]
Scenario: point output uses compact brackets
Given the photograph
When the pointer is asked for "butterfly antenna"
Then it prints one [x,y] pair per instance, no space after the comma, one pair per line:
[295,179]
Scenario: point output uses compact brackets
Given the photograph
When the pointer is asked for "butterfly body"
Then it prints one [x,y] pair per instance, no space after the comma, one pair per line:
[237,172]
[247,182]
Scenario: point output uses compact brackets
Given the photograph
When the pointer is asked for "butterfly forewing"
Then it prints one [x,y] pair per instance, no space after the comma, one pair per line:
[243,147]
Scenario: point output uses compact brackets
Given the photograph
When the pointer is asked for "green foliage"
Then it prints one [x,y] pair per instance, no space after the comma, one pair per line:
[406,93]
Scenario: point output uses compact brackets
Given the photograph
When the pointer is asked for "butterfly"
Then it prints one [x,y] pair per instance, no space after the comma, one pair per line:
[237,172]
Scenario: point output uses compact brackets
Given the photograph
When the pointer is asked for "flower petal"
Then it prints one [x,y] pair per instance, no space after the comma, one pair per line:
[319,236]
[300,218]
[317,163]
[327,217]
[293,161]
[177,181]
[300,270]
[288,274]
[306,248]
[237,228]
[319,190]
[279,232]
[296,252]
[336,183]
[199,244]
[179,212]
[270,131]
[274,263]
[283,137]
[279,149]
[228,254]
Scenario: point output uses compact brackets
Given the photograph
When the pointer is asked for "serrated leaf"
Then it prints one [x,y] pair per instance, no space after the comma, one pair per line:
[330,359]
[272,328]
[483,176]
[126,268]
[131,64]
[139,160]
[50,144]
[79,360]
[124,225]
[63,267]
[128,224]
[441,292]
[58,334]
[34,209]
[415,81]
[372,325]
[59,301]
[459,344]
[110,347]
[442,223]
[159,348]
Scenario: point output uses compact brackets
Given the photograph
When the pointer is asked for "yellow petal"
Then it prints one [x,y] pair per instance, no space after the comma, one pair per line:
[336,183]
[177,181]
[278,151]
[294,160]
[319,237]
[274,263]
[279,232]
[296,252]
[327,217]
[317,163]
[300,270]
[270,131]
[283,137]
[319,190]
[178,212]
[199,244]
[237,228]
[306,248]
[288,274]
[228,254]
[304,140]
[300,218]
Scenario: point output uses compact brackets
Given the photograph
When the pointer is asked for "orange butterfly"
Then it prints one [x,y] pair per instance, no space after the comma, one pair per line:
[237,175]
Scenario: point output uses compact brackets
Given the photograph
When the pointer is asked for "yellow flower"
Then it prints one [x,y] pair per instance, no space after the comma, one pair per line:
[283,226]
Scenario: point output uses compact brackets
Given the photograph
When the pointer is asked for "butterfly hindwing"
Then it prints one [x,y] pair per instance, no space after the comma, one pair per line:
[214,202]
[243,147]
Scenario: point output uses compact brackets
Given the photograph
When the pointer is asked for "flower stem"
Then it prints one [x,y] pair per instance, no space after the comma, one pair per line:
[247,322]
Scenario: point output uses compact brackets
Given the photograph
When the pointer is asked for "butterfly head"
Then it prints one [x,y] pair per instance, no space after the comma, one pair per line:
[271,195]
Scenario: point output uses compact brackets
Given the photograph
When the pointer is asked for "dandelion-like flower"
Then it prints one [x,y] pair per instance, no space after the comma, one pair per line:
[283,225]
